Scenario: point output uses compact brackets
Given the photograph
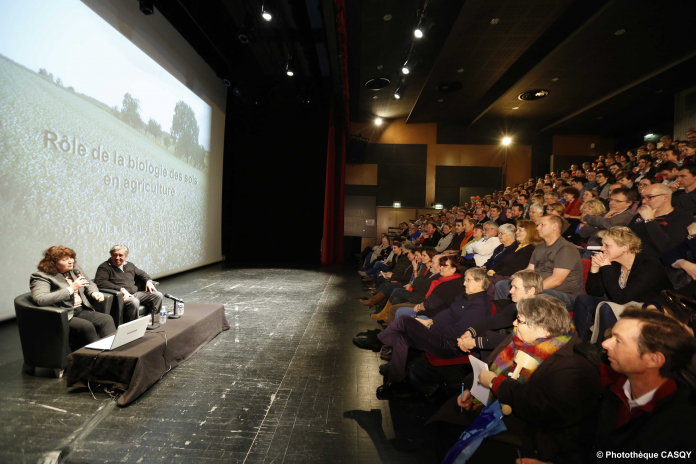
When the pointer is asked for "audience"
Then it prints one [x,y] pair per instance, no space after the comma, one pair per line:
[646,259]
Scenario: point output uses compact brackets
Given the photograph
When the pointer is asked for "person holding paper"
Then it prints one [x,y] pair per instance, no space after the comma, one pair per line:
[553,407]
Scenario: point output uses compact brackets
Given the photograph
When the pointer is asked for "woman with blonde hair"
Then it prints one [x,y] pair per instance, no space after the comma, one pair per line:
[619,214]
[621,273]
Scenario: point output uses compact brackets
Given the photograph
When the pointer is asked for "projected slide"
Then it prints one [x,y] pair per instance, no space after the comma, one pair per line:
[99,145]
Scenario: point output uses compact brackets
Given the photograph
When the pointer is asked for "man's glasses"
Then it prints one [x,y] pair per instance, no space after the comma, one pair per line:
[650,197]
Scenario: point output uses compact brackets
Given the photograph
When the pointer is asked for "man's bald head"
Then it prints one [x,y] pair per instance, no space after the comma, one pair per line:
[657,189]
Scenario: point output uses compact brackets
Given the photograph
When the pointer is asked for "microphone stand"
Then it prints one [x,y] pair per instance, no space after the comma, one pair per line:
[174,313]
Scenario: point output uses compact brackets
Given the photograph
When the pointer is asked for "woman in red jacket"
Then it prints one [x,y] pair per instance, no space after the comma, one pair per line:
[572,202]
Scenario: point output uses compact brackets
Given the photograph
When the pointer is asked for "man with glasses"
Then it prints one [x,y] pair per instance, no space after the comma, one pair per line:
[658,224]
[686,199]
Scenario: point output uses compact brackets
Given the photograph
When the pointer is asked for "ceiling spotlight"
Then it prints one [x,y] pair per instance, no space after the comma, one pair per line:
[380,66]
[265,14]
[405,69]
[288,67]
[387,17]
[555,79]
[495,21]
[378,122]
[418,33]
[460,70]
[515,107]
[400,91]
[440,100]
[507,141]
[375,97]
[620,32]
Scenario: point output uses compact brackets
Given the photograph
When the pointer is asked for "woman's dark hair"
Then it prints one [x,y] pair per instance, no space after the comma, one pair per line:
[430,251]
[48,264]
[455,261]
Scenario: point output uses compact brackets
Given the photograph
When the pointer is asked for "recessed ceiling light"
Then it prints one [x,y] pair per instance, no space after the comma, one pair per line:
[495,21]
[387,17]
[620,32]
[554,79]
[515,107]
[375,97]
[380,66]
[460,70]
[441,100]
[533,94]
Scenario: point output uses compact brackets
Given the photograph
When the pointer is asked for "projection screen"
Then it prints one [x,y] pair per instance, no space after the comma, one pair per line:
[101,145]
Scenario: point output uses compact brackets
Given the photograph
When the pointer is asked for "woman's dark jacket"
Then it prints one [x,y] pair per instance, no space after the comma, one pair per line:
[403,270]
[515,260]
[554,413]
[645,282]
[464,311]
[442,297]
[420,286]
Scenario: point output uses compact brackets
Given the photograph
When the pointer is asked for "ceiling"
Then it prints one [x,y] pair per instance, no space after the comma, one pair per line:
[597,77]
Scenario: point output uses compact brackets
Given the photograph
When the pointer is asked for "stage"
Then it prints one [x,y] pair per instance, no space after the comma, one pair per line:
[285,384]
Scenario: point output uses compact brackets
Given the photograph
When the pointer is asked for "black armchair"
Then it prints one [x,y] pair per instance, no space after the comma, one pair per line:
[44,332]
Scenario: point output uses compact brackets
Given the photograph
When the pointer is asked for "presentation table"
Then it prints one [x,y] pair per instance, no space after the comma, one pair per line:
[135,367]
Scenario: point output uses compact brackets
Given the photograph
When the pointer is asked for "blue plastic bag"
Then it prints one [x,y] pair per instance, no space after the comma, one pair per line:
[488,423]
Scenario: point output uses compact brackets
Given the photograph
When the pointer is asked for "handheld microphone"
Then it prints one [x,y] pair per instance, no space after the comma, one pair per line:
[173,298]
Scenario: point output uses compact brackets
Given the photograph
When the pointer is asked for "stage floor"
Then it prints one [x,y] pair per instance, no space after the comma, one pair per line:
[284,385]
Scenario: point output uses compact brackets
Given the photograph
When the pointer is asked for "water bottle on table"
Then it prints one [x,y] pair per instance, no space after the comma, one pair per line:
[163,315]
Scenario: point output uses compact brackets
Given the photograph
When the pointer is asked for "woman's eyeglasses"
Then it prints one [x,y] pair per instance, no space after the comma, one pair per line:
[519,322]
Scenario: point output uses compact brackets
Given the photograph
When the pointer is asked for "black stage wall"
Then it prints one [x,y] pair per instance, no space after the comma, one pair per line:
[274,176]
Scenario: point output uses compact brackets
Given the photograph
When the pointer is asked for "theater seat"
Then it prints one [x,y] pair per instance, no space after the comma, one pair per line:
[586,264]
[44,332]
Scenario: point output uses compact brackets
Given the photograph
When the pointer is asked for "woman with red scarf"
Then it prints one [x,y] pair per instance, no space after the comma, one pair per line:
[553,405]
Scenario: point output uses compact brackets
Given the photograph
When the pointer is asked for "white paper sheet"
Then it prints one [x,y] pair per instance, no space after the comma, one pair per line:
[478,391]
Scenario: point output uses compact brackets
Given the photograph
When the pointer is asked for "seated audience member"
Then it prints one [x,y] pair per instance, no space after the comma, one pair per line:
[645,168]
[404,230]
[402,274]
[668,172]
[437,336]
[482,250]
[620,274]
[372,275]
[536,211]
[446,237]
[591,184]
[557,209]
[378,253]
[439,296]
[485,336]
[413,232]
[619,214]
[573,202]
[526,239]
[603,184]
[415,291]
[625,179]
[497,216]
[464,231]
[650,408]
[433,236]
[117,273]
[57,284]
[681,257]
[646,183]
[578,183]
[590,195]
[507,247]
[658,225]
[557,261]
[554,407]
[685,198]
[551,197]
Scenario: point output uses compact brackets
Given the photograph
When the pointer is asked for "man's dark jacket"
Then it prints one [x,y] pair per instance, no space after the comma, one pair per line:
[111,277]
[664,424]
[432,241]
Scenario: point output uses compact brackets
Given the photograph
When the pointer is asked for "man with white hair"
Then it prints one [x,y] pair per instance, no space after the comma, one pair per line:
[483,249]
[117,273]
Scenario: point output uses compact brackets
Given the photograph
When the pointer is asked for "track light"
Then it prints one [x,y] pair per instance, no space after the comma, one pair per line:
[400,91]
[378,122]
[407,66]
[265,14]
[289,67]
[418,32]
[507,141]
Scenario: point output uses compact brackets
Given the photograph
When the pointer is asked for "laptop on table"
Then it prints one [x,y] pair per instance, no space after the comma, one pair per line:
[125,333]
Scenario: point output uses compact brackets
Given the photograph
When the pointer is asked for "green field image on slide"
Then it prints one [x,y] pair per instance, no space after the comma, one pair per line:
[82,196]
